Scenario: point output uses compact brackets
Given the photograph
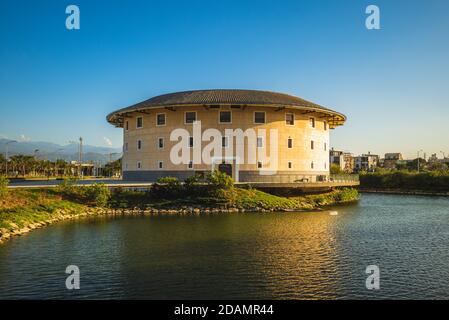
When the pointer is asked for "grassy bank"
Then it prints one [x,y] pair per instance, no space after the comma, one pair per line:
[246,199]
[435,181]
[25,209]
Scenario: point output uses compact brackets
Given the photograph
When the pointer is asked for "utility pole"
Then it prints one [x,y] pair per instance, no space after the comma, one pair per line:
[80,157]
[418,158]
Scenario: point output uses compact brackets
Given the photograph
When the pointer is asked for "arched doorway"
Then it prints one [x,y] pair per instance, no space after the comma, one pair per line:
[226,168]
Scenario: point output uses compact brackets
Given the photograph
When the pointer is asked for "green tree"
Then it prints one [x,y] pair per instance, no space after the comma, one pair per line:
[335,169]
[437,166]
[98,193]
[113,168]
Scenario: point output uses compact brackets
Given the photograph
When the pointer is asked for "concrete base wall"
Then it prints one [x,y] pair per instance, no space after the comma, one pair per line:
[244,176]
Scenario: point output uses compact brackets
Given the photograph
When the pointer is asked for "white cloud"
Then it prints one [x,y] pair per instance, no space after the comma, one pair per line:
[107,141]
[24,138]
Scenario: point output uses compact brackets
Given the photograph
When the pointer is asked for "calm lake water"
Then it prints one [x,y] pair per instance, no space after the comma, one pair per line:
[312,255]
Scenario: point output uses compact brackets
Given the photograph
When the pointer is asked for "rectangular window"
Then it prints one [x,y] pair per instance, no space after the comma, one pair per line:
[259,117]
[160,164]
[225,117]
[325,125]
[190,117]
[190,165]
[225,142]
[290,143]
[160,143]
[139,165]
[127,125]
[139,144]
[160,119]
[190,142]
[325,165]
[259,164]
[325,146]
[290,119]
[289,164]
[260,142]
[126,146]
[311,165]
[312,122]
[312,144]
[139,122]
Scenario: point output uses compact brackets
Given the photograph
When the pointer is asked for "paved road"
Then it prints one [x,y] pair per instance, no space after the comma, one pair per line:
[53,183]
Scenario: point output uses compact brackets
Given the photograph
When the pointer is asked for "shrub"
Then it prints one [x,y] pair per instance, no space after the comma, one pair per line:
[68,187]
[335,169]
[194,186]
[3,187]
[98,193]
[220,180]
[429,181]
[166,188]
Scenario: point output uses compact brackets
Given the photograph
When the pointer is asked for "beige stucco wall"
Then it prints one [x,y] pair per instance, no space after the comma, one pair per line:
[301,155]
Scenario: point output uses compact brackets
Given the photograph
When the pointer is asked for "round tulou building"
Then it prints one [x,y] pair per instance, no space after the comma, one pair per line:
[285,138]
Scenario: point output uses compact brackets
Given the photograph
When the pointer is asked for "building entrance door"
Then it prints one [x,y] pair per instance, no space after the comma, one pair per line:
[226,168]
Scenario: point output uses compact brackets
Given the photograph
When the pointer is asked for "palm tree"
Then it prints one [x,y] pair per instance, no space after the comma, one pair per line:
[2,164]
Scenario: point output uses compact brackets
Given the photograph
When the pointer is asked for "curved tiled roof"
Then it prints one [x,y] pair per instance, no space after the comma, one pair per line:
[225,97]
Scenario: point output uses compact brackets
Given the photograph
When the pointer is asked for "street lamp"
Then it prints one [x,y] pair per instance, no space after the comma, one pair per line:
[418,158]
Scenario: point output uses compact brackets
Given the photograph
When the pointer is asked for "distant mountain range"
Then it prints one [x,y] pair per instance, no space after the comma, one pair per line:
[53,151]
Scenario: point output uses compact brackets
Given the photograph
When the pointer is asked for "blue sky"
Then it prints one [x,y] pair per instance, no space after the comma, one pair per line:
[392,83]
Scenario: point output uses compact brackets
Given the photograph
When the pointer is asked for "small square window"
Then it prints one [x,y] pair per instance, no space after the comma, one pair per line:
[139,122]
[139,144]
[290,119]
[160,164]
[190,142]
[160,119]
[259,164]
[225,117]
[289,164]
[190,117]
[260,142]
[312,122]
[160,143]
[290,143]
[259,117]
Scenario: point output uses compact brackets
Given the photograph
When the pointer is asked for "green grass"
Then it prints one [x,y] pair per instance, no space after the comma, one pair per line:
[234,197]
[25,215]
